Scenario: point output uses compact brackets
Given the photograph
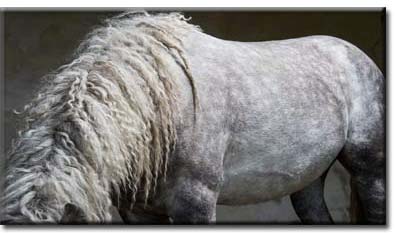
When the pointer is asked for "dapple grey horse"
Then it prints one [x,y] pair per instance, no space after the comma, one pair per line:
[253,121]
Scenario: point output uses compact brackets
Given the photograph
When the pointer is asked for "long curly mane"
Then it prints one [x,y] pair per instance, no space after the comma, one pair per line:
[103,122]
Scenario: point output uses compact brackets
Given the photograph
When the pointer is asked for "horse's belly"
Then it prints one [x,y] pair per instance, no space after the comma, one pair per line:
[258,183]
[256,172]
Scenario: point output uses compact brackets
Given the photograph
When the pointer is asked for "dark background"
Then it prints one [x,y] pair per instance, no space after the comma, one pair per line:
[36,43]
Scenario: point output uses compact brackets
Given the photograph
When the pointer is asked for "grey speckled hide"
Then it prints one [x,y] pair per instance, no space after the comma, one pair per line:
[227,122]
[273,118]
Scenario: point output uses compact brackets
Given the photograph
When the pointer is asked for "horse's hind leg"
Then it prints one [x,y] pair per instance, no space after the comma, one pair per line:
[310,205]
[364,151]
[371,192]
[367,168]
[364,157]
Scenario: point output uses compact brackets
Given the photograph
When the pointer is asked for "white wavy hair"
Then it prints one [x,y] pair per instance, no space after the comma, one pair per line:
[102,123]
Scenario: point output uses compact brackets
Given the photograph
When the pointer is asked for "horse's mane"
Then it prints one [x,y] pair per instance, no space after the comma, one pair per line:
[103,122]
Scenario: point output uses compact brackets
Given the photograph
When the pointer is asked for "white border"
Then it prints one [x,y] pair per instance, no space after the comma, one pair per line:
[389,4]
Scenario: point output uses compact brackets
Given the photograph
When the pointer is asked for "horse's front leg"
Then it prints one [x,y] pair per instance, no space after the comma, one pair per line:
[129,217]
[192,201]
[195,174]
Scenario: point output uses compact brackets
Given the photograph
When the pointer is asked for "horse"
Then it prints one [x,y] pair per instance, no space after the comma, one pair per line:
[164,122]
